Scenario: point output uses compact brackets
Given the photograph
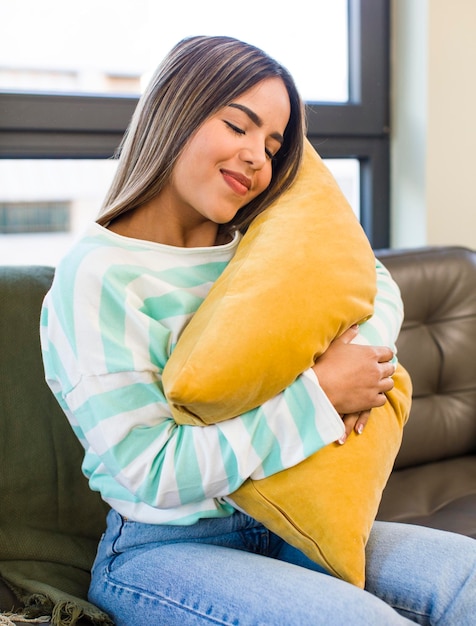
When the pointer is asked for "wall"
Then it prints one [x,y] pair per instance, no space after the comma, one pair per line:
[433,99]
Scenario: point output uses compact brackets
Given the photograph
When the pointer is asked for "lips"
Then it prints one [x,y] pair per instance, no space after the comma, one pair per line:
[239,183]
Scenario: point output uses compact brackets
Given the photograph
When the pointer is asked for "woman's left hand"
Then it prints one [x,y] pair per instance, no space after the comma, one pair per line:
[354,421]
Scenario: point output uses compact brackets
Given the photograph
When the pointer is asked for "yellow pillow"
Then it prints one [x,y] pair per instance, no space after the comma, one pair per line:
[303,273]
[326,505]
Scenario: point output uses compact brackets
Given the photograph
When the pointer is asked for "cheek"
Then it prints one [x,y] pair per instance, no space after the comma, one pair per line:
[265,177]
[195,152]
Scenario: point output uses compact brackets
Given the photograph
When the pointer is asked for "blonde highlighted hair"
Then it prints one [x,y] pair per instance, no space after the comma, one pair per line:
[199,76]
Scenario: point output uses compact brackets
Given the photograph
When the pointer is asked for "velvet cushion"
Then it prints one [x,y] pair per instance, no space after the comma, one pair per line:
[303,273]
[326,505]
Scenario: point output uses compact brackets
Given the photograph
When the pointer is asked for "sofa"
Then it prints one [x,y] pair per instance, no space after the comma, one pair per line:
[434,477]
[50,522]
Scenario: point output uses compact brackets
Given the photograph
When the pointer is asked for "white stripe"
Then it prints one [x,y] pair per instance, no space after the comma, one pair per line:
[206,443]
[285,430]
[149,515]
[138,472]
[111,431]
[54,335]
[90,386]
[329,423]
[239,440]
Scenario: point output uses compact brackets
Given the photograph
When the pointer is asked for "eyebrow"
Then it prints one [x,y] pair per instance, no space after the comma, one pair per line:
[256,119]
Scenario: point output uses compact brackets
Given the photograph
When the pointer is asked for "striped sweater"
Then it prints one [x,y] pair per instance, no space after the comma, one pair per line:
[108,325]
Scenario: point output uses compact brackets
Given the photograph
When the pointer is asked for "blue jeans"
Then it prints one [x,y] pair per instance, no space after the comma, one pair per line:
[233,571]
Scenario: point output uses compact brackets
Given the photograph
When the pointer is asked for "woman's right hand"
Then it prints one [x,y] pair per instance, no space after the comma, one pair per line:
[354,377]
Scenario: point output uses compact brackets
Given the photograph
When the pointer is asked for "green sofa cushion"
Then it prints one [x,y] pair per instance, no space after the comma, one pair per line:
[50,521]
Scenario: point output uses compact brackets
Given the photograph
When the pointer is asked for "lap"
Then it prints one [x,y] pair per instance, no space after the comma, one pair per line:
[189,584]
[226,578]
[428,574]
[147,576]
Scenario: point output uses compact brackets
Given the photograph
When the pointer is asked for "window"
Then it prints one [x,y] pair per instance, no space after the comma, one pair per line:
[45,204]
[48,110]
[115,51]
[34,217]
[359,128]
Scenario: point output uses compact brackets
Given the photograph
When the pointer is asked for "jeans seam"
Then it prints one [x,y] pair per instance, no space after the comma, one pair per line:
[163,599]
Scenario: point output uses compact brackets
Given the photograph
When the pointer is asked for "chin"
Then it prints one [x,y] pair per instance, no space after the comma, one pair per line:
[224,218]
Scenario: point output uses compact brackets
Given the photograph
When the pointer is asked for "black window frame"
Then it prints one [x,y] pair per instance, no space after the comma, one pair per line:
[82,126]
[360,128]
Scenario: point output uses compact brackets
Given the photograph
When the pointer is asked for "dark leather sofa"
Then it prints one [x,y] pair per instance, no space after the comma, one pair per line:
[49,520]
[434,479]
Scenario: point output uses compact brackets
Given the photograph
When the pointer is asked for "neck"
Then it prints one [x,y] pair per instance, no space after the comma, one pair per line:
[143,223]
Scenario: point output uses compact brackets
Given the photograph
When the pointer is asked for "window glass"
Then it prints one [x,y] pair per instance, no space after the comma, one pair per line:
[35,217]
[46,204]
[113,45]
[347,174]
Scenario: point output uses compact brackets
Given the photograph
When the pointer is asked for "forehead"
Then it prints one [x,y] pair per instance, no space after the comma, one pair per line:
[269,100]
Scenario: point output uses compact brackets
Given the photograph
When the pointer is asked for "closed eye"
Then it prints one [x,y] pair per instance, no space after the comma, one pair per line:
[240,131]
[235,129]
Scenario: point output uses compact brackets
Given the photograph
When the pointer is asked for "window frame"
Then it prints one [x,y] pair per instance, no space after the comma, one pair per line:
[82,126]
[360,128]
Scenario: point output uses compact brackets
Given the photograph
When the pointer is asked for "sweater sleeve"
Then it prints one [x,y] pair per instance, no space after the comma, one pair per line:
[383,327]
[124,424]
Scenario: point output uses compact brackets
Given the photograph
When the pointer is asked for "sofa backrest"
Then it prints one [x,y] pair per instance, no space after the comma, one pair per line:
[437,346]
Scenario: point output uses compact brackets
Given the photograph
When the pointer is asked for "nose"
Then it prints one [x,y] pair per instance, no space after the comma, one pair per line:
[254,154]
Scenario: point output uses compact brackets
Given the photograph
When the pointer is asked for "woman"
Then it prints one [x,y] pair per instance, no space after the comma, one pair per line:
[215,138]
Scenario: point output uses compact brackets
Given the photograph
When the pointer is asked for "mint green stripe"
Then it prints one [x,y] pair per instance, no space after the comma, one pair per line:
[112,316]
[112,322]
[55,371]
[159,345]
[62,298]
[371,334]
[303,411]
[171,304]
[109,403]
[113,311]
[103,482]
[135,443]
[185,277]
[187,468]
[64,283]
[264,443]
[230,463]
[44,317]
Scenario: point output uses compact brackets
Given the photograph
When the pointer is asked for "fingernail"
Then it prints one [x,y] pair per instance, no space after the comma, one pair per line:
[342,440]
[360,429]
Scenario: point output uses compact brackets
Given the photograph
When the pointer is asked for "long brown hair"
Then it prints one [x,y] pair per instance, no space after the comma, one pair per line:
[199,76]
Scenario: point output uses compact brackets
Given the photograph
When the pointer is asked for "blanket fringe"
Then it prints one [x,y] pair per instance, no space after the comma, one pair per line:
[48,605]
[66,614]
[63,613]
[12,619]
[38,605]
